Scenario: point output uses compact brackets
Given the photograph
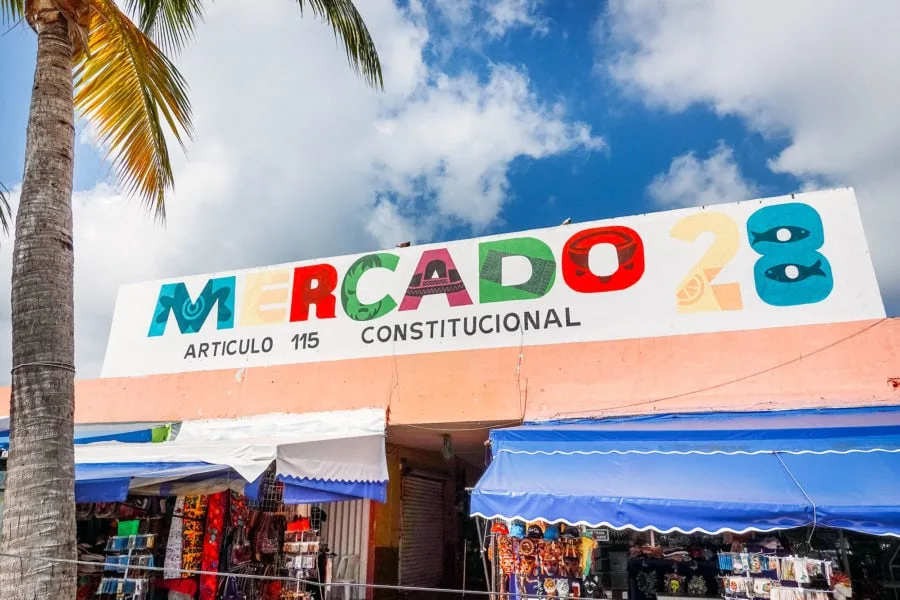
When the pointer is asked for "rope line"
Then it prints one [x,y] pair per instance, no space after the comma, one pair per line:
[808,497]
[192,572]
[41,363]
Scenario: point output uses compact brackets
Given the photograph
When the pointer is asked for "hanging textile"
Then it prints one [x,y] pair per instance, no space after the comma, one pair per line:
[195,508]
[172,566]
[240,550]
[212,544]
[239,511]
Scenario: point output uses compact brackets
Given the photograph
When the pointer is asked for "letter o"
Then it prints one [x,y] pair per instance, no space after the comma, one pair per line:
[506,325]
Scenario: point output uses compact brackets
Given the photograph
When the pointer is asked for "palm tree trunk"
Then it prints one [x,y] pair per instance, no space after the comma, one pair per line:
[39,513]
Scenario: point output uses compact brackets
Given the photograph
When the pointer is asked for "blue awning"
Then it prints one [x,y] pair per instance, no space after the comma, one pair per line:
[856,491]
[791,432]
[310,491]
[110,482]
[689,492]
[702,472]
[107,432]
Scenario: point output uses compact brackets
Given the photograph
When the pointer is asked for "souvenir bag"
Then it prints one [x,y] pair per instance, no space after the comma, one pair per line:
[646,582]
[267,535]
[696,585]
[231,590]
[241,551]
[675,584]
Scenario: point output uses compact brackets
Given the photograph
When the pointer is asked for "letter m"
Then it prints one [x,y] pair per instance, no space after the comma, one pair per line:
[191,314]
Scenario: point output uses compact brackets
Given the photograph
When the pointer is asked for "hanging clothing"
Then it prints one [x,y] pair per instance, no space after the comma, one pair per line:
[195,508]
[172,565]
[212,544]
[588,545]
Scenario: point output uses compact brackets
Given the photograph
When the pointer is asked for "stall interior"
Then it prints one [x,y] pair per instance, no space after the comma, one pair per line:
[560,561]
[172,548]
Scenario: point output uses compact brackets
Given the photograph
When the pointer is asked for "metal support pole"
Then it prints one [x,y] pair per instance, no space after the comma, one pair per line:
[487,575]
[845,547]
[465,561]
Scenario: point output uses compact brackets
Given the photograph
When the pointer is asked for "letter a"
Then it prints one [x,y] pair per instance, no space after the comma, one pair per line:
[436,274]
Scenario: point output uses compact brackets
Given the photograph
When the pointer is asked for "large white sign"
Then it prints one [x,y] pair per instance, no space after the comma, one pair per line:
[784,261]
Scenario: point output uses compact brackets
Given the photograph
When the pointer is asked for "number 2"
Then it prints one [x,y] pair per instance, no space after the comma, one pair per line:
[696,292]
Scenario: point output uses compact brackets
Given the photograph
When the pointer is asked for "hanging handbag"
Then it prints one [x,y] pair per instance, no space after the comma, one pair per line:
[231,590]
[241,551]
[267,535]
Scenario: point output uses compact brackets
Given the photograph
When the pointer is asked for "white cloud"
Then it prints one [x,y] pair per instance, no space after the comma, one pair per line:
[468,19]
[699,182]
[295,158]
[822,73]
[506,15]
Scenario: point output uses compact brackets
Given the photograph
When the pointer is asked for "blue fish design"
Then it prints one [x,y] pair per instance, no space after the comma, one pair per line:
[780,272]
[794,234]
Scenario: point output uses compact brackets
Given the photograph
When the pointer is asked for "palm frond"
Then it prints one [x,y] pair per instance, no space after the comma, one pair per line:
[129,91]
[170,23]
[348,25]
[5,211]
[11,11]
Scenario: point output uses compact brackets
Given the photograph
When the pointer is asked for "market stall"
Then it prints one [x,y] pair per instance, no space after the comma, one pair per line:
[319,457]
[239,497]
[715,483]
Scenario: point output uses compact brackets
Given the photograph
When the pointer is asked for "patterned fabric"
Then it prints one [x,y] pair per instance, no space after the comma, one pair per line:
[212,544]
[240,511]
[173,547]
[195,508]
[588,545]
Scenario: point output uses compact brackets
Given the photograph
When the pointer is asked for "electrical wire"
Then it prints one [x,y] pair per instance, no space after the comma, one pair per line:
[454,429]
[598,411]
[192,572]
[618,407]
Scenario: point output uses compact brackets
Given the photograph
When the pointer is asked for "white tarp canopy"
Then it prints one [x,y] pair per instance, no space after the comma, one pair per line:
[345,446]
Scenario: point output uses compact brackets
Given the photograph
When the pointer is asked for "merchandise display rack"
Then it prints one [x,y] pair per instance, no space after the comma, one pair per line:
[129,555]
[767,576]
[301,559]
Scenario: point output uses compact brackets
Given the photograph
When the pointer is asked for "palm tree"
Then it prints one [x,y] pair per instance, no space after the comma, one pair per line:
[111,65]
[5,212]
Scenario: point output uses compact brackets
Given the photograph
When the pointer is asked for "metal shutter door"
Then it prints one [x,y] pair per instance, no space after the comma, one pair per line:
[422,532]
[346,530]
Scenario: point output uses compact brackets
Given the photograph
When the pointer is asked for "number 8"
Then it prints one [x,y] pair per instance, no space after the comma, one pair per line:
[791,271]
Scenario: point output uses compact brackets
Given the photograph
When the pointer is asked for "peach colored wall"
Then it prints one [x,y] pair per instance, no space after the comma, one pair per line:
[844,364]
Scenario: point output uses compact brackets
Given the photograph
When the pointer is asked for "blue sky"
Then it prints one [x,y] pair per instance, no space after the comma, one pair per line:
[581,185]
[589,110]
